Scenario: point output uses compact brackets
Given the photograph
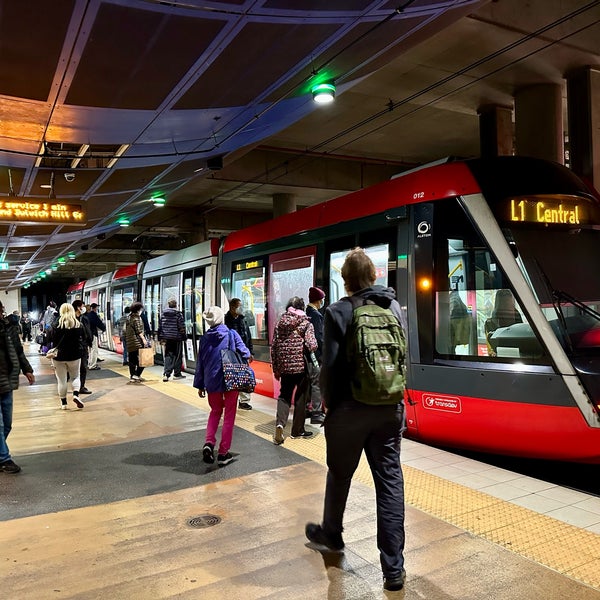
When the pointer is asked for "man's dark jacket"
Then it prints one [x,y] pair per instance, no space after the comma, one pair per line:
[12,357]
[239,324]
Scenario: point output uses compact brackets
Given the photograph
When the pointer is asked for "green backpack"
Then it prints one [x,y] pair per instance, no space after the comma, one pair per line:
[376,350]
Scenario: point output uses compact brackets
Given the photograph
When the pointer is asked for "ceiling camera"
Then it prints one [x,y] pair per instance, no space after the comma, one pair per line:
[70,177]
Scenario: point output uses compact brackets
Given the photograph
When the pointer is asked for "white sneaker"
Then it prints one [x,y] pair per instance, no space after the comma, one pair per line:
[134,379]
[165,379]
[64,407]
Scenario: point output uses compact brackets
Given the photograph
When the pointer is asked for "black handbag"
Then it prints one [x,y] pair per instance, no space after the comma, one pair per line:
[237,373]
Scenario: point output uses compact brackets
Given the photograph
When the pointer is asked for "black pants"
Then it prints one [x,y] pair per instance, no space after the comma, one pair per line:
[351,428]
[134,363]
[83,369]
[173,357]
[284,402]
[310,388]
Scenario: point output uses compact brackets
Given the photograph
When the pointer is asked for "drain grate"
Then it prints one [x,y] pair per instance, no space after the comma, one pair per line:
[203,521]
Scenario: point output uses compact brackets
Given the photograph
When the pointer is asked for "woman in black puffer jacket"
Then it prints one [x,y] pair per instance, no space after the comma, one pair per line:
[67,337]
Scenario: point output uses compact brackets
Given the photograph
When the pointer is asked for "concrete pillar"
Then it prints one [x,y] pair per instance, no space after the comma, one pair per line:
[583,106]
[283,204]
[495,130]
[539,130]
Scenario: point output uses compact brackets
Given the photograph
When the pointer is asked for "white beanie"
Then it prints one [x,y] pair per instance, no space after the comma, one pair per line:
[213,316]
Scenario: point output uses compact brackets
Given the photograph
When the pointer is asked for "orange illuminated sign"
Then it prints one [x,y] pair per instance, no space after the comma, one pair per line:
[33,210]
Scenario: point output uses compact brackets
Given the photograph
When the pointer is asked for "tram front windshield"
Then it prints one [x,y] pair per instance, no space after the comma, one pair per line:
[560,258]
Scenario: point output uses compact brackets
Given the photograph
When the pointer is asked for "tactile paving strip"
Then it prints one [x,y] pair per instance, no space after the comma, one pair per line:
[567,549]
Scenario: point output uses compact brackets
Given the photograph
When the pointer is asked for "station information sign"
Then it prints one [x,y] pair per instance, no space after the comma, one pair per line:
[34,210]
[549,210]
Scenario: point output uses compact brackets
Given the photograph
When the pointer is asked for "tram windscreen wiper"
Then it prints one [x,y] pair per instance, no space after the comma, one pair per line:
[563,296]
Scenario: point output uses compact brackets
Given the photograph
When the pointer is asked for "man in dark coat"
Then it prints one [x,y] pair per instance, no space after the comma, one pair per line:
[171,333]
[86,344]
[310,386]
[12,361]
[96,324]
[352,427]
[235,319]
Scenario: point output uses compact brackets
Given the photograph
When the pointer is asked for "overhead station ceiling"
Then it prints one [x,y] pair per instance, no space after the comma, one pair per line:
[106,104]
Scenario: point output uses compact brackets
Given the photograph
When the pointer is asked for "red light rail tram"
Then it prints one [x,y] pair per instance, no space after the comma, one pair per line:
[496,265]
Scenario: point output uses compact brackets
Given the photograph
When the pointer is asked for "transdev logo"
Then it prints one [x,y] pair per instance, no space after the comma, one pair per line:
[445,403]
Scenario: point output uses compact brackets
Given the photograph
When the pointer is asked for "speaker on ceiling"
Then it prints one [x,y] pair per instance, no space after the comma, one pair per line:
[215,163]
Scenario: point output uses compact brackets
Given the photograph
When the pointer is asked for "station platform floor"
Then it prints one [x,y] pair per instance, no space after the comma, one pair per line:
[115,502]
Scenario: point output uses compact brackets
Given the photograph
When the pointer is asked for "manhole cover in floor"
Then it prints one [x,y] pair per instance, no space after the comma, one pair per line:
[203,521]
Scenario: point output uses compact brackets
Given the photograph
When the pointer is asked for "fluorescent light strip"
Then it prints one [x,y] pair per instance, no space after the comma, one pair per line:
[122,149]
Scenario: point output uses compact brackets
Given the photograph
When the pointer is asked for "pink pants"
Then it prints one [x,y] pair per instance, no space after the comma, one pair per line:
[217,402]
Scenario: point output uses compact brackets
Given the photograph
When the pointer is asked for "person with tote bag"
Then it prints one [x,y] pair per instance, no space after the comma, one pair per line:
[209,379]
[135,340]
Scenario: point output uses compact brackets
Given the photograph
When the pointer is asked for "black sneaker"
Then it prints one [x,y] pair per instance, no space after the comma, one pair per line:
[208,454]
[317,419]
[8,466]
[245,406]
[316,535]
[302,434]
[84,390]
[393,584]
[224,459]
[179,376]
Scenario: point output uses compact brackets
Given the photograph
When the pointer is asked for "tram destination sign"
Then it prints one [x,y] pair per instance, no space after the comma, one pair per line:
[549,210]
[34,210]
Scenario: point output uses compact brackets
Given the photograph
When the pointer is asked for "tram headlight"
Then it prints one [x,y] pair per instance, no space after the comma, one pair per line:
[424,284]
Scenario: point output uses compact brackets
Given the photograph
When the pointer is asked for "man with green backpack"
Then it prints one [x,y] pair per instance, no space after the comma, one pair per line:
[362,386]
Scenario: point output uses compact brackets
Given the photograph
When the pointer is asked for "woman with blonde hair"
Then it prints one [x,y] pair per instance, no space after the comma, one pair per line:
[67,337]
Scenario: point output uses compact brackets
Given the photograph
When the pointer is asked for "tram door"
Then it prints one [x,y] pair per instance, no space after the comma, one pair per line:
[151,304]
[192,306]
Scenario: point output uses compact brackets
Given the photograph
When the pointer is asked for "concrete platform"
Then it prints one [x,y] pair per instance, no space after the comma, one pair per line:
[105,504]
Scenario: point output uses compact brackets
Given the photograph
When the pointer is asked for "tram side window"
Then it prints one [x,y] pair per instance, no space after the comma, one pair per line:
[249,287]
[477,315]
[291,274]
[378,254]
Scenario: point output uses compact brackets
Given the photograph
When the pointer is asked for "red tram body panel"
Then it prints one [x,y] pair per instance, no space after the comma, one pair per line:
[503,341]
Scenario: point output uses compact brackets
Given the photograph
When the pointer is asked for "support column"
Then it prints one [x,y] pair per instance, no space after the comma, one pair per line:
[583,104]
[495,130]
[539,130]
[283,204]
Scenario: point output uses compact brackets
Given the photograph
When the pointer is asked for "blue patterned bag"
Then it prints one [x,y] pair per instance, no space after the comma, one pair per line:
[237,373]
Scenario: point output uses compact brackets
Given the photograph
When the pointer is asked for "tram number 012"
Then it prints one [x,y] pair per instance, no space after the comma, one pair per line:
[418,195]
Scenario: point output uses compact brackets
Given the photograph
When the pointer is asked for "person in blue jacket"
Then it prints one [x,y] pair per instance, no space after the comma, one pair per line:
[209,379]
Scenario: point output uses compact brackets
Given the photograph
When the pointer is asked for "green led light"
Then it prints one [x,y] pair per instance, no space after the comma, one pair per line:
[62,260]
[159,201]
[124,222]
[323,93]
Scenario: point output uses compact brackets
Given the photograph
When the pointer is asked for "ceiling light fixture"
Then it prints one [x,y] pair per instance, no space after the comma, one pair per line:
[124,222]
[159,201]
[323,93]
[116,155]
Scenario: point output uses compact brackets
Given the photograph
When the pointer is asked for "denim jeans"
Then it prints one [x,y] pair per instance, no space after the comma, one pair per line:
[6,413]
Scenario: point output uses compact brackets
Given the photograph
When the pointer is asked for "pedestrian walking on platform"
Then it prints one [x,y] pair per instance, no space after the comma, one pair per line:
[209,379]
[294,336]
[12,362]
[235,319]
[67,337]
[171,333]
[134,337]
[352,425]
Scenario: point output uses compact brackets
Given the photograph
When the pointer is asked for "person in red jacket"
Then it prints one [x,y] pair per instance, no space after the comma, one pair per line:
[294,334]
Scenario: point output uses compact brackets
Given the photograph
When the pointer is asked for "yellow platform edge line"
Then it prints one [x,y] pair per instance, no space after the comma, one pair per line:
[564,548]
